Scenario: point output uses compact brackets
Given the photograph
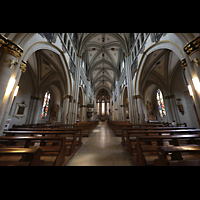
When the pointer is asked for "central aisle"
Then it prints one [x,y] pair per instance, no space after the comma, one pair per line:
[101,148]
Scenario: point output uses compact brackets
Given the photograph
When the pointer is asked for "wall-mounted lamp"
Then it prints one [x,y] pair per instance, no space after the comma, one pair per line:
[196,84]
[190,90]
[10,85]
[16,91]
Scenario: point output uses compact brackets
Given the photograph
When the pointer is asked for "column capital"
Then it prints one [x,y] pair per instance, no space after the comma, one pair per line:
[36,98]
[23,66]
[169,96]
[183,63]
[68,96]
[78,55]
[10,47]
[192,49]
[192,46]
[137,97]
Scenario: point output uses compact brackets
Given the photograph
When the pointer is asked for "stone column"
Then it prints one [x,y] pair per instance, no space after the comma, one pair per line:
[119,102]
[135,113]
[10,101]
[141,117]
[65,109]
[76,90]
[83,112]
[129,87]
[69,114]
[174,108]
[139,114]
[9,55]
[123,112]
[37,110]
[195,94]
[168,108]
[30,109]
[192,49]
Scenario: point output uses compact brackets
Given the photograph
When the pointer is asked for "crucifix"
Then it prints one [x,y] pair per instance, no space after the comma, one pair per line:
[11,63]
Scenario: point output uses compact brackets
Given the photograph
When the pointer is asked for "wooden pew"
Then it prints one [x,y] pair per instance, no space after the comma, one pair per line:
[178,125]
[164,151]
[141,149]
[57,150]
[118,126]
[87,127]
[136,133]
[78,131]
[70,143]
[126,129]
[30,156]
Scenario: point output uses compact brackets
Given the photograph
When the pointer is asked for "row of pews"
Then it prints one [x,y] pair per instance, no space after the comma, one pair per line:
[158,145]
[41,144]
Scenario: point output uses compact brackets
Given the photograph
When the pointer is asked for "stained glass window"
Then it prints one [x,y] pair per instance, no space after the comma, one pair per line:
[97,108]
[103,107]
[161,106]
[45,105]
[108,107]
[98,105]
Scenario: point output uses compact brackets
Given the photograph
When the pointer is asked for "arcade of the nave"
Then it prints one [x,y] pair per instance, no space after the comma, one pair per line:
[65,77]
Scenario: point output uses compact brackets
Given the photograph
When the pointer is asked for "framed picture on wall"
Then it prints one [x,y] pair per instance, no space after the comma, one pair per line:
[20,110]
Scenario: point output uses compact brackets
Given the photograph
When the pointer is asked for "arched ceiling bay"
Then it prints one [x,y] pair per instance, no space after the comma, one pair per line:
[103,53]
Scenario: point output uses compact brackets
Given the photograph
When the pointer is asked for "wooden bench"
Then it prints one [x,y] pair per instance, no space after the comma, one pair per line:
[136,133]
[126,129]
[178,125]
[71,141]
[56,148]
[78,131]
[117,127]
[164,151]
[30,156]
[87,127]
[141,149]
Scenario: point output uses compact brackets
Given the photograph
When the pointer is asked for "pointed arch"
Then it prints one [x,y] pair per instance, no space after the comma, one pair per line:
[45,45]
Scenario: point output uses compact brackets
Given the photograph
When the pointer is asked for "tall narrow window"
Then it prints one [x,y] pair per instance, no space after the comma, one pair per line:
[45,106]
[98,107]
[122,66]
[161,106]
[108,107]
[103,107]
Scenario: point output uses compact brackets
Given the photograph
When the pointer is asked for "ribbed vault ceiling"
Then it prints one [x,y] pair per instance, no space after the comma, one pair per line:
[103,53]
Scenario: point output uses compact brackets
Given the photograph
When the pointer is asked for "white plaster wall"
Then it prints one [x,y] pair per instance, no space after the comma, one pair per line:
[179,89]
[26,89]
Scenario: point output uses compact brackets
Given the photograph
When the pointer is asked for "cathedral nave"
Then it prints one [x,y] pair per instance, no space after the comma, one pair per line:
[87,82]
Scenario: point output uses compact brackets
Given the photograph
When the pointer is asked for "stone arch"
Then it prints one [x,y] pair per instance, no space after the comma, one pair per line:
[160,45]
[33,47]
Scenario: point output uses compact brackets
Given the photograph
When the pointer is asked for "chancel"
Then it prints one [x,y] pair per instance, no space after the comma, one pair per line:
[99,99]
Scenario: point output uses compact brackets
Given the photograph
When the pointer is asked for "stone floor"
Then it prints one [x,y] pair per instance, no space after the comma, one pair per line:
[101,148]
